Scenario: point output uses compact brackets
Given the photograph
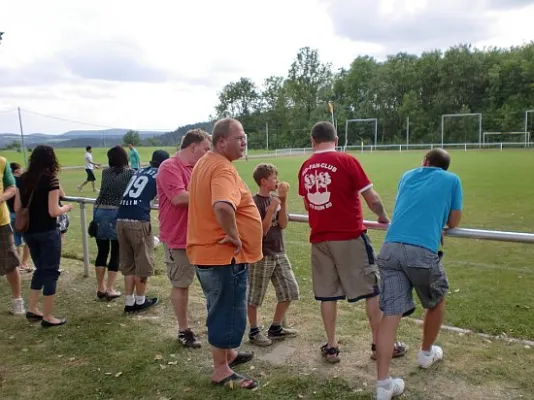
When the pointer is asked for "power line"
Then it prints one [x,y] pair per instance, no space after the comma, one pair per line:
[88,123]
[8,111]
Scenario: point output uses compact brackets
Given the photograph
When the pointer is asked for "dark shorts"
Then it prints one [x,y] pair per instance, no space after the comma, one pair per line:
[90,175]
[405,267]
[9,258]
[225,289]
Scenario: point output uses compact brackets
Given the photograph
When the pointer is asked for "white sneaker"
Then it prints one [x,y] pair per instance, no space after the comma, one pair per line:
[18,307]
[396,388]
[424,361]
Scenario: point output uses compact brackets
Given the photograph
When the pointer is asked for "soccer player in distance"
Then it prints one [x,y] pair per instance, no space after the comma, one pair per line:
[429,198]
[342,258]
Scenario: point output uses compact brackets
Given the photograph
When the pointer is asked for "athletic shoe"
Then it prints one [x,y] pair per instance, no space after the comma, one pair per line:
[18,307]
[259,339]
[395,388]
[188,339]
[424,361]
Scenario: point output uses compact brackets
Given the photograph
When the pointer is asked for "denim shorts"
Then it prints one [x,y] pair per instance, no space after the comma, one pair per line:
[107,221]
[225,289]
[16,235]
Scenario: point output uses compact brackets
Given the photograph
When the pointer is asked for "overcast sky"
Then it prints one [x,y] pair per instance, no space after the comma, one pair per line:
[159,64]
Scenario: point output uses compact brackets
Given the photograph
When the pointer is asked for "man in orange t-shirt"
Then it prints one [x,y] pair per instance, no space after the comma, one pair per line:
[224,235]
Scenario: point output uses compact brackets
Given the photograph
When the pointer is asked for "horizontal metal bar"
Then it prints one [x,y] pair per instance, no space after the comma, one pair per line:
[481,234]
[465,233]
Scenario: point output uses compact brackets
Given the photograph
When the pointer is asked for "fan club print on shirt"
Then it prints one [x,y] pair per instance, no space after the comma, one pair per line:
[316,183]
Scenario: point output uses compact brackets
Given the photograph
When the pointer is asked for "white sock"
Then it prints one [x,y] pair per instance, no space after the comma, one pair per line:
[139,300]
[385,384]
[130,300]
[427,353]
[19,300]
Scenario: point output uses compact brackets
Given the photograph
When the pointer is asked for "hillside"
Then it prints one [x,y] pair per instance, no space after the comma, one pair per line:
[101,138]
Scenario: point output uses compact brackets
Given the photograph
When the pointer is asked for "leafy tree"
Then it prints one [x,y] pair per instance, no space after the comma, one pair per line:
[131,137]
[496,82]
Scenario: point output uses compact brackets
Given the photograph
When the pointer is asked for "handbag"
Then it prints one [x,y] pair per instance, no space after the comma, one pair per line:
[22,216]
[92,229]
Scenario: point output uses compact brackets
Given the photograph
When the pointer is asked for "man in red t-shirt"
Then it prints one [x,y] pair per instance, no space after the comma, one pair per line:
[172,180]
[343,260]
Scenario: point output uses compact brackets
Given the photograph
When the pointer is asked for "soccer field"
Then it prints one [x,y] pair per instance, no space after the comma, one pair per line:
[490,281]
[101,354]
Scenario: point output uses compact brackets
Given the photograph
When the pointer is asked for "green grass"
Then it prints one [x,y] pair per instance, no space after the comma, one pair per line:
[491,291]
[75,157]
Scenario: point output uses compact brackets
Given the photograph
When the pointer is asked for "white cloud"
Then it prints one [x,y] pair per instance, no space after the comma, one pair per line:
[159,64]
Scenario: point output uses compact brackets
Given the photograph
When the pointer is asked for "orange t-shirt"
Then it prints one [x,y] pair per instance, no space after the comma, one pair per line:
[215,179]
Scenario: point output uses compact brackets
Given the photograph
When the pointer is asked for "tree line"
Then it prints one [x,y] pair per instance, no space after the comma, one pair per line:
[497,82]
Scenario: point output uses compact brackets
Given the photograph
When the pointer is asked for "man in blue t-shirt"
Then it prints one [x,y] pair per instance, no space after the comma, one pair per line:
[134,233]
[429,198]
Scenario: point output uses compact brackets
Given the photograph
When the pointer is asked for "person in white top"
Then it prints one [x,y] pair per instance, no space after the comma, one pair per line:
[89,166]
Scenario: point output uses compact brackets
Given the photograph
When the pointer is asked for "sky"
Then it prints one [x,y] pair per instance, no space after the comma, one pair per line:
[159,64]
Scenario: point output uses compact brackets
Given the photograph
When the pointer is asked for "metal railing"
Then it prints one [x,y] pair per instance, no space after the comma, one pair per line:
[465,233]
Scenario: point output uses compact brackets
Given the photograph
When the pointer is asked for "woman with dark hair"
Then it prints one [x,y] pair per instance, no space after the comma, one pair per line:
[115,178]
[39,187]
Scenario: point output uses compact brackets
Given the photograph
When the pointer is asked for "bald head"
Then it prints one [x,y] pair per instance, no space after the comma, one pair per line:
[229,138]
[222,129]
[438,158]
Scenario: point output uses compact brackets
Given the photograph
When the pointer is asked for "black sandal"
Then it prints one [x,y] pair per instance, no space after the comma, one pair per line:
[241,358]
[331,354]
[31,317]
[236,381]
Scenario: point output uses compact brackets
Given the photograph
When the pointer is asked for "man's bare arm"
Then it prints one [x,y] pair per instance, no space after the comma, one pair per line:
[9,192]
[374,202]
[225,215]
[455,216]
[181,200]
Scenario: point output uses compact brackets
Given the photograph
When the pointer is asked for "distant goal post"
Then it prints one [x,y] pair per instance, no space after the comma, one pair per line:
[525,136]
[356,120]
[478,115]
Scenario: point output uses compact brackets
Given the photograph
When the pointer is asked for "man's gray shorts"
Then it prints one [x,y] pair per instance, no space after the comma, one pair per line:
[404,267]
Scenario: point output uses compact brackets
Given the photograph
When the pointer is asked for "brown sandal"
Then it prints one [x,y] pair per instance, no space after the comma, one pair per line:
[236,381]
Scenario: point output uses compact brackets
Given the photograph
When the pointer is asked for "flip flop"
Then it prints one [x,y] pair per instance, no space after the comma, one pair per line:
[235,381]
[242,357]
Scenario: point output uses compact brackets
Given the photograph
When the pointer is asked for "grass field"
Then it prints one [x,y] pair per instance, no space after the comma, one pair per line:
[491,292]
[75,157]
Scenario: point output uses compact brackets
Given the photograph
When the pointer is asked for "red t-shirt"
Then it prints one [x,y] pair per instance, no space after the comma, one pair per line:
[172,179]
[330,183]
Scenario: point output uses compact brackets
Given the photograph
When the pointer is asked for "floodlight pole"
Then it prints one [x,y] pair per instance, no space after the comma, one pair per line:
[407,132]
[526,127]
[479,115]
[267,135]
[22,139]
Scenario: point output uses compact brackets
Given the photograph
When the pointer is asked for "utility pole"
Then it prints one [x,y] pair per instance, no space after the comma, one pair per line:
[267,135]
[407,131]
[22,139]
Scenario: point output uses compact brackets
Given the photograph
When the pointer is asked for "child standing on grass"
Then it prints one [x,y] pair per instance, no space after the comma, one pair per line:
[275,265]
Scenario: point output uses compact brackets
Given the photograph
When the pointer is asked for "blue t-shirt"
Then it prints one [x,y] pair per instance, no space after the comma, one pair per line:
[141,190]
[426,196]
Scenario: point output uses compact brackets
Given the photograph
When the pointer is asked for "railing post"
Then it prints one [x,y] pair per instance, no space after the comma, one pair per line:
[85,239]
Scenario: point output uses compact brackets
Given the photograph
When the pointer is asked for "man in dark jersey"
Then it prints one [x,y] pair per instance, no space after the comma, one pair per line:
[134,233]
